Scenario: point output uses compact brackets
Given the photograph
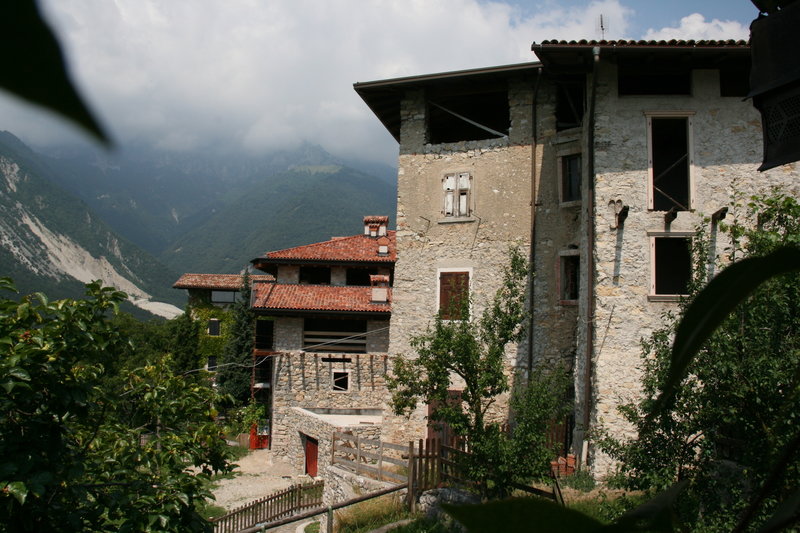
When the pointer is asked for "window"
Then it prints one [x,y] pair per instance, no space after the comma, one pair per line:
[569,276]
[570,101]
[315,275]
[454,295]
[670,162]
[223,297]
[340,380]
[671,265]
[359,276]
[335,335]
[213,327]
[469,116]
[569,170]
[264,339]
[211,364]
[456,195]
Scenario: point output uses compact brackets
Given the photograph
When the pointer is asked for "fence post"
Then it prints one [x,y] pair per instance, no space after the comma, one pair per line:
[358,454]
[380,461]
[330,520]
[411,505]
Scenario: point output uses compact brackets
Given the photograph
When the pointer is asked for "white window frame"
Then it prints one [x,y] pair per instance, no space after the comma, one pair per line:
[560,174]
[652,236]
[333,386]
[457,195]
[560,275]
[439,271]
[689,116]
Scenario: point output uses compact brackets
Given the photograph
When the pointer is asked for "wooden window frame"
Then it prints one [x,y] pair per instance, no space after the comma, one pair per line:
[653,296]
[346,374]
[462,197]
[439,303]
[689,116]
[562,158]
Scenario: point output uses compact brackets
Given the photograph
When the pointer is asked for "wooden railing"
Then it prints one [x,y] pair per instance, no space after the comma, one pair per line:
[369,457]
[270,508]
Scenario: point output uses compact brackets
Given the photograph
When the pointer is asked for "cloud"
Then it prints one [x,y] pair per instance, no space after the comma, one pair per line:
[695,27]
[260,74]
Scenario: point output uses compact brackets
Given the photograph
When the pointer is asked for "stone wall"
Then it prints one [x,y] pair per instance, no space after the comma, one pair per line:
[726,142]
[428,242]
[305,380]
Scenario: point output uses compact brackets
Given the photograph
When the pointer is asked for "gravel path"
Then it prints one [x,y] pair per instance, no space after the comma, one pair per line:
[259,474]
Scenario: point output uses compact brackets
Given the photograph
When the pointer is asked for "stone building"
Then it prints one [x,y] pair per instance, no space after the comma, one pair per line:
[601,160]
[321,353]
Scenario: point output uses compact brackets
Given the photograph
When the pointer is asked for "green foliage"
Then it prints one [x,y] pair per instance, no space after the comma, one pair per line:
[236,367]
[78,456]
[719,407]
[206,344]
[472,352]
[367,516]
[242,419]
[581,480]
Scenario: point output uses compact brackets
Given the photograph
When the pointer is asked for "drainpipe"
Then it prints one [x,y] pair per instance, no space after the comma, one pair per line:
[590,297]
[532,247]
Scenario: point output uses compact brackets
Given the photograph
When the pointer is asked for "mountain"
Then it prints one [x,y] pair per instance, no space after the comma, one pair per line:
[213,212]
[52,242]
[303,205]
[155,197]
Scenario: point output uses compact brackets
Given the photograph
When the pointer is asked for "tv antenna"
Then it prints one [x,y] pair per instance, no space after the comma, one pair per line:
[602,27]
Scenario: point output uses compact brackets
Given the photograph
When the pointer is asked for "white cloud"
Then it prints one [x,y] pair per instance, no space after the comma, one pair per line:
[695,27]
[256,74]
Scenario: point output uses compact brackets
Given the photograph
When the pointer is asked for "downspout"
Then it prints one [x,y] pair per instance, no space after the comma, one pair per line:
[532,247]
[590,297]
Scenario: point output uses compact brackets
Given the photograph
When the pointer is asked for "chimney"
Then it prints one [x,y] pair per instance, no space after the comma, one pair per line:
[383,246]
[380,288]
[375,226]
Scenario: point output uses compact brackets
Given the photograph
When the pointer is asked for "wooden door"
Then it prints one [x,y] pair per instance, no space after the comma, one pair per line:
[312,450]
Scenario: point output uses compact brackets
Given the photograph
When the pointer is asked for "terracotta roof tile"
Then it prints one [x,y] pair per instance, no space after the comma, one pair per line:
[356,248]
[223,282]
[277,296]
[674,43]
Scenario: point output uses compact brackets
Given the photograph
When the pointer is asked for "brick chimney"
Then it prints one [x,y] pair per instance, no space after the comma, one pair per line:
[375,226]
[380,288]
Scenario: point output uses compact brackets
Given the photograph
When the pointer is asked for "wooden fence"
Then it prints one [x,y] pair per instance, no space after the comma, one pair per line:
[276,506]
[370,457]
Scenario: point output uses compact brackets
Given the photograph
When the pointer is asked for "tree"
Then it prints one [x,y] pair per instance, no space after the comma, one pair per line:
[235,371]
[77,456]
[469,355]
[733,411]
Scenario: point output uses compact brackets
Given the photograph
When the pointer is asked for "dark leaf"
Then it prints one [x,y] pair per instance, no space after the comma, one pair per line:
[34,68]
[788,513]
[712,304]
[523,515]
[653,515]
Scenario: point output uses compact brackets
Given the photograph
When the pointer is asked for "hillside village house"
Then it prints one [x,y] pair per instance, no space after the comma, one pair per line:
[600,161]
[321,338]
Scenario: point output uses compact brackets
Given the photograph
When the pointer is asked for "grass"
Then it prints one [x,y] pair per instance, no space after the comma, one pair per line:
[312,528]
[371,514]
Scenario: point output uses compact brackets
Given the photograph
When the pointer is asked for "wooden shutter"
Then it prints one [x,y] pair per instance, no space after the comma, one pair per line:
[453,295]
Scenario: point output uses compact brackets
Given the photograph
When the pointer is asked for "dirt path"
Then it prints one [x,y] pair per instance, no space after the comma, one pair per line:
[259,474]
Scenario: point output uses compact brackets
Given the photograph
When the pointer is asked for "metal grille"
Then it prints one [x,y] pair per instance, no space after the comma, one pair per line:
[783,118]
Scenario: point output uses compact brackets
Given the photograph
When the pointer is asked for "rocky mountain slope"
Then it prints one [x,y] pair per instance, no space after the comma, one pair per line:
[52,242]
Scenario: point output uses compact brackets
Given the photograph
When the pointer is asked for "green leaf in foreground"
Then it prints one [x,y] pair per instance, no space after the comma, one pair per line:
[521,514]
[711,305]
[34,68]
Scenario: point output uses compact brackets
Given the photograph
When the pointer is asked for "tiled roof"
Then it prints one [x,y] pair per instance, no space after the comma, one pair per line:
[674,43]
[291,297]
[356,248]
[222,282]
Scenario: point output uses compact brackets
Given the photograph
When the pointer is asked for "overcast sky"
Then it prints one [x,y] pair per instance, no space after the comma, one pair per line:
[258,74]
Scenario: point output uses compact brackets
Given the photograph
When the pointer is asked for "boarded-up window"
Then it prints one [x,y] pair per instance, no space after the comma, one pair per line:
[213,327]
[312,275]
[341,381]
[224,297]
[335,335]
[672,270]
[456,195]
[454,295]
[669,163]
